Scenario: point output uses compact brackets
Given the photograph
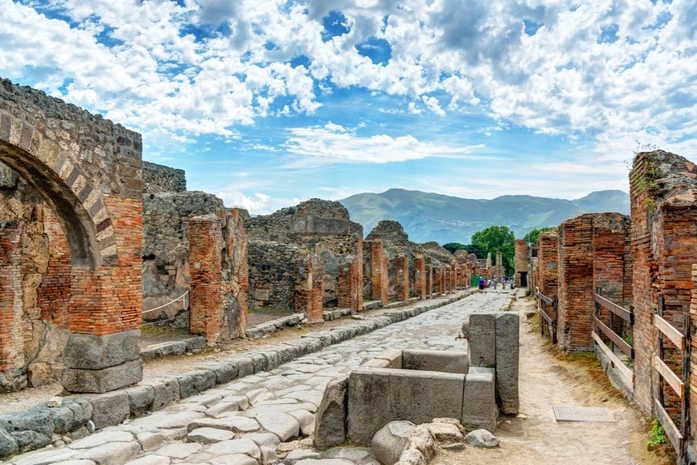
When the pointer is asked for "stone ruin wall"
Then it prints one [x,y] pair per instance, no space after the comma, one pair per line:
[166,252]
[319,228]
[276,272]
[160,179]
[167,262]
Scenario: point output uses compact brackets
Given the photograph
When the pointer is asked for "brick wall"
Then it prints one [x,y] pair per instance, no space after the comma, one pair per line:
[664,246]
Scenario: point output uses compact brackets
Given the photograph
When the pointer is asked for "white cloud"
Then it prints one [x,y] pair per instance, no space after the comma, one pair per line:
[332,144]
[606,69]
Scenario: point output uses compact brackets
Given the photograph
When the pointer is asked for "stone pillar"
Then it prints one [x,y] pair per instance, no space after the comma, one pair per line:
[420,275]
[380,280]
[402,276]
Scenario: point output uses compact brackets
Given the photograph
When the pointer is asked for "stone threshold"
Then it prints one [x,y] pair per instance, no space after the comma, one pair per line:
[97,411]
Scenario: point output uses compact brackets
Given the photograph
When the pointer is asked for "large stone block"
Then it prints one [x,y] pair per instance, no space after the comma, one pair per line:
[380,395]
[330,420]
[421,396]
[436,360]
[393,356]
[507,362]
[368,403]
[166,391]
[103,380]
[90,352]
[109,409]
[482,339]
[479,409]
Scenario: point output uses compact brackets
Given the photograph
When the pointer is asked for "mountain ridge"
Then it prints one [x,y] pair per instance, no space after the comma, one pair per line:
[428,216]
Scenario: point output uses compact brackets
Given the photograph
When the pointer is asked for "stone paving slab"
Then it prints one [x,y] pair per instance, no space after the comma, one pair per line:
[273,395]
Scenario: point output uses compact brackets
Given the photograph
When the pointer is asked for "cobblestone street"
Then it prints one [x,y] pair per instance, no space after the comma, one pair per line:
[251,420]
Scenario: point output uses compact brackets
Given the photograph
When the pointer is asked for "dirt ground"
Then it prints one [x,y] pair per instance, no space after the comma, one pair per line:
[548,378]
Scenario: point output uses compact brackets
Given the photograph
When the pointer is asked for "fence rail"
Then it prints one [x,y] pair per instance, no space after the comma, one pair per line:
[547,322]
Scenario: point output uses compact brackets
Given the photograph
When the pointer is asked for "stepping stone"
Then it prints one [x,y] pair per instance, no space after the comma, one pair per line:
[180,451]
[234,423]
[281,424]
[151,460]
[209,435]
[236,446]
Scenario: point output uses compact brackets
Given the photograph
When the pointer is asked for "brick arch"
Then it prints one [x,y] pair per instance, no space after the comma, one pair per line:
[79,207]
[89,172]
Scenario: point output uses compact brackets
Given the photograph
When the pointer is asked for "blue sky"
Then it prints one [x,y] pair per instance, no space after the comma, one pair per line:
[269,102]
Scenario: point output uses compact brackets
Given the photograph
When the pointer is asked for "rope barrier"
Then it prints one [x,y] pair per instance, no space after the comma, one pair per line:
[168,303]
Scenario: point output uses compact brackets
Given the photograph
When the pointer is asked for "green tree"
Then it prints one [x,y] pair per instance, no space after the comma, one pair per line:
[534,235]
[497,239]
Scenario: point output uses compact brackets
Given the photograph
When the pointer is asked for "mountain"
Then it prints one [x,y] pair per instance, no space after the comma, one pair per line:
[427,216]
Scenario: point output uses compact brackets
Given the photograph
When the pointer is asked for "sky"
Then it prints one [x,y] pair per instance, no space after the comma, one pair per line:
[266,103]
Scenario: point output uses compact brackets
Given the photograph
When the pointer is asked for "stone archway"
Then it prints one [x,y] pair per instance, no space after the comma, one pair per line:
[88,170]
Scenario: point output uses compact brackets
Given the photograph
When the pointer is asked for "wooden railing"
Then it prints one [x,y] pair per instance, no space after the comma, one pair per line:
[616,340]
[547,323]
[677,382]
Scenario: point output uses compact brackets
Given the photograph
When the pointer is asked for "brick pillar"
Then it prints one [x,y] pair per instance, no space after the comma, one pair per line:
[548,263]
[575,284]
[105,309]
[205,265]
[429,278]
[12,346]
[379,277]
[420,275]
[348,287]
[402,277]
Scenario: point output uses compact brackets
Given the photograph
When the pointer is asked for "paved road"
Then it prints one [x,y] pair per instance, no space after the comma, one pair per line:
[246,421]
